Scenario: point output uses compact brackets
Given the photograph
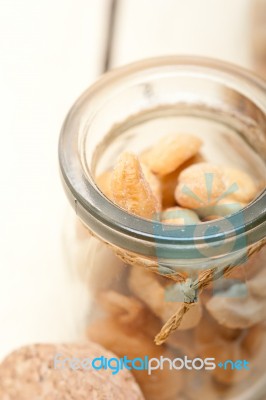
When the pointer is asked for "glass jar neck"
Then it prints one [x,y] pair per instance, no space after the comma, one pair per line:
[199,85]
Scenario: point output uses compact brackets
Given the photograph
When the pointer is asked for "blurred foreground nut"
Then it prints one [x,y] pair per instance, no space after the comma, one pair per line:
[125,309]
[29,373]
[250,268]
[147,287]
[222,353]
[162,384]
[200,185]
[237,313]
[228,333]
[253,340]
[241,306]
[209,331]
[214,341]
[130,189]
[202,386]
[170,152]
[130,312]
[257,283]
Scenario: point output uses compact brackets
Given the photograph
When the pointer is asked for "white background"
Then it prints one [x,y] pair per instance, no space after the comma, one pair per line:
[50,51]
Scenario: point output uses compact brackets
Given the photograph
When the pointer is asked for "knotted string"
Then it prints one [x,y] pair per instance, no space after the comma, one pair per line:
[191,288]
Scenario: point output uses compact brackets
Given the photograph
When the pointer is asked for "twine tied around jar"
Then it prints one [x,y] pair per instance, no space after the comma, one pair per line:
[204,280]
[188,287]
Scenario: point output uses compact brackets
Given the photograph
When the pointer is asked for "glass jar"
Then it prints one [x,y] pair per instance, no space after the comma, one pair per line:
[132,266]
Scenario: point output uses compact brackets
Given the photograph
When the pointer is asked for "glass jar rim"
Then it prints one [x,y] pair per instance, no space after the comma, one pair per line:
[129,231]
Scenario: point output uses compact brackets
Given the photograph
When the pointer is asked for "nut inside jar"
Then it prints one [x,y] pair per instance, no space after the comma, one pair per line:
[173,182]
[189,153]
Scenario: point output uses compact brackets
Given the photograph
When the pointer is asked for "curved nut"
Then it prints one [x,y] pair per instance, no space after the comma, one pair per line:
[220,209]
[200,185]
[130,312]
[245,188]
[131,190]
[179,216]
[210,330]
[170,152]
[169,181]
[244,304]
[243,311]
[125,309]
